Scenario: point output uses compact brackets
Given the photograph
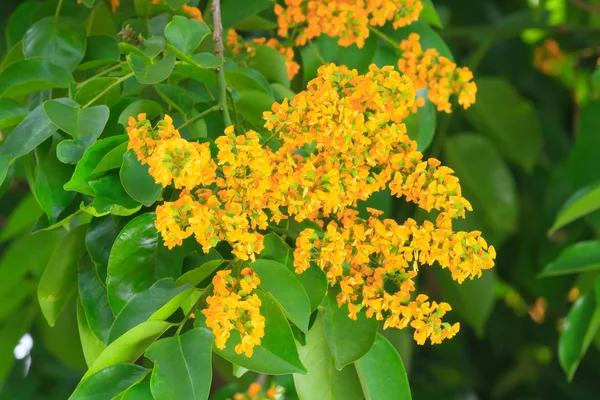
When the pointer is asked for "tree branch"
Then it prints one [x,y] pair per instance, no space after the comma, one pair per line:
[219,52]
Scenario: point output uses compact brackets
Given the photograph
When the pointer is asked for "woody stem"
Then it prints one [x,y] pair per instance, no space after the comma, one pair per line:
[219,50]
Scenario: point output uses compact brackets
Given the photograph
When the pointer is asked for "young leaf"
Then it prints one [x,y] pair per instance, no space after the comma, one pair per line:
[109,382]
[186,34]
[60,277]
[348,340]
[382,373]
[182,366]
[149,73]
[276,279]
[580,257]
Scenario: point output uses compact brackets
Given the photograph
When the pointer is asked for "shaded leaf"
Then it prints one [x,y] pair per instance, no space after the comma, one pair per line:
[582,203]
[109,382]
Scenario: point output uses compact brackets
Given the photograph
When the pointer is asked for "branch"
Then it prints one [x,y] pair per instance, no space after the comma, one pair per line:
[592,8]
[219,50]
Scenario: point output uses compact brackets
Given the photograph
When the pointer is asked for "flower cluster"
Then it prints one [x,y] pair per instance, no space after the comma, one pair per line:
[549,58]
[340,141]
[238,47]
[346,20]
[233,306]
[439,75]
[255,392]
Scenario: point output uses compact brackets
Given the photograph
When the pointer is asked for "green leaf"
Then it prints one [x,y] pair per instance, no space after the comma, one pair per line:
[11,113]
[100,21]
[111,197]
[579,257]
[271,64]
[277,353]
[30,133]
[24,77]
[579,330]
[207,60]
[583,160]
[112,160]
[483,173]
[83,175]
[313,279]
[90,344]
[153,46]
[382,373]
[100,50]
[252,103]
[505,117]
[176,97]
[137,259]
[129,347]
[281,92]
[182,366]
[10,334]
[85,125]
[99,240]
[323,381]
[582,203]
[94,300]
[152,109]
[232,13]
[197,275]
[58,40]
[348,340]
[355,58]
[176,4]
[60,276]
[429,15]
[52,175]
[152,72]
[460,296]
[21,218]
[186,34]
[137,181]
[109,382]
[279,281]
[19,21]
[246,79]
[140,391]
[145,304]
[90,90]
[421,126]
[429,38]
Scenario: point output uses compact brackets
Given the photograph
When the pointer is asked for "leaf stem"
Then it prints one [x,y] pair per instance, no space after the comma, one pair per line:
[385,37]
[99,74]
[58,7]
[102,93]
[316,51]
[219,51]
[197,117]
[187,317]
[234,106]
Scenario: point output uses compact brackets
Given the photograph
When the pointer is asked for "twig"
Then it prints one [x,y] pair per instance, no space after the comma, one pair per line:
[58,7]
[219,51]
[197,117]
[234,106]
[385,37]
[316,51]
[99,74]
[102,93]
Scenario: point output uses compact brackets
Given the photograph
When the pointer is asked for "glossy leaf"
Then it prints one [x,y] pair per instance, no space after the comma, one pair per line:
[271,64]
[252,103]
[32,75]
[105,87]
[60,277]
[143,305]
[58,40]
[140,391]
[382,373]
[277,353]
[137,259]
[99,240]
[100,50]
[232,13]
[85,125]
[186,34]
[182,366]
[421,126]
[323,381]
[90,344]
[348,340]
[111,197]
[151,108]
[91,158]
[197,275]
[279,281]
[109,382]
[137,181]
[484,174]
[579,330]
[51,176]
[94,300]
[579,257]
[506,118]
[582,203]
[313,279]
[112,160]
[11,113]
[129,347]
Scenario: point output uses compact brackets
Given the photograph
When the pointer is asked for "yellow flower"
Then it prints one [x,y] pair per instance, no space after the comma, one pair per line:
[173,219]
